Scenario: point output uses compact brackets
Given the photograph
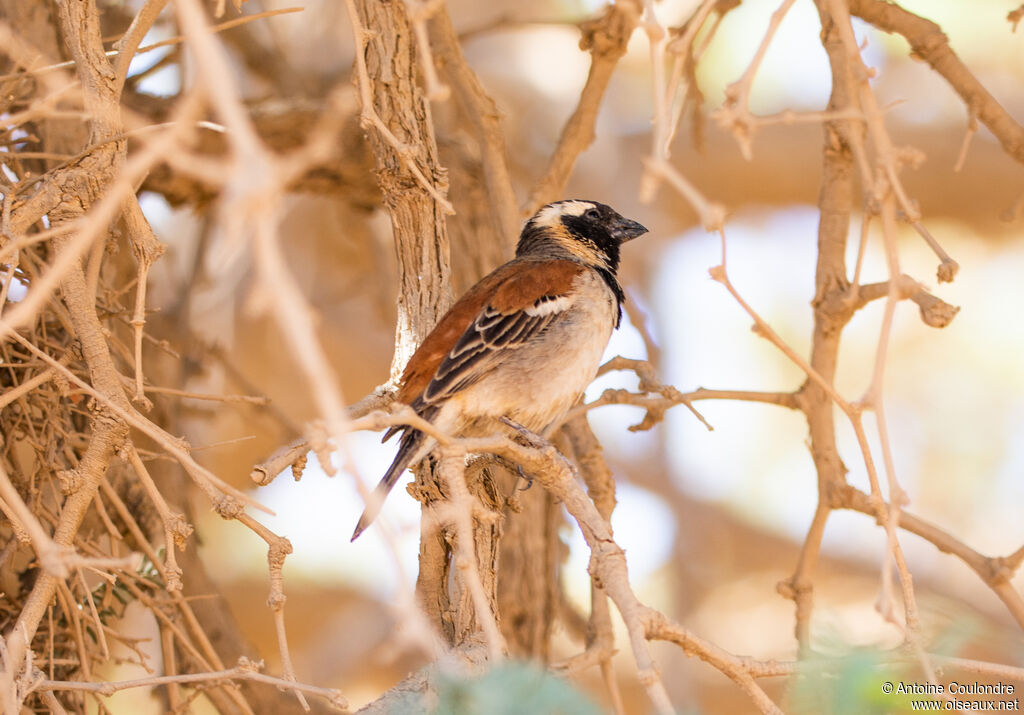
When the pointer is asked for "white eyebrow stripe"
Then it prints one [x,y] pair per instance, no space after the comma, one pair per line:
[551,215]
[548,305]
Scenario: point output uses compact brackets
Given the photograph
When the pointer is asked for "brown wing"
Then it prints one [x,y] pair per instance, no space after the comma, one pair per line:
[501,312]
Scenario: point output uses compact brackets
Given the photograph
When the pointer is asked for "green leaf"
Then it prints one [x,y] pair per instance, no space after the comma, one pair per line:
[511,689]
[854,684]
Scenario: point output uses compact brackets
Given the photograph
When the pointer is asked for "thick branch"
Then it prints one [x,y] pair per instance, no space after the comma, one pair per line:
[835,202]
[929,43]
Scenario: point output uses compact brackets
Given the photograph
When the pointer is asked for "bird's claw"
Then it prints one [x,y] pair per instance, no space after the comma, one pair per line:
[529,480]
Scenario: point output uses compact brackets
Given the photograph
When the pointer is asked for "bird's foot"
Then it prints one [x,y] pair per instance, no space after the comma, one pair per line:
[512,466]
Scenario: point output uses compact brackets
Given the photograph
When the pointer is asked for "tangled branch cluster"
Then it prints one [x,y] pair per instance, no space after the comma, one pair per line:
[88,525]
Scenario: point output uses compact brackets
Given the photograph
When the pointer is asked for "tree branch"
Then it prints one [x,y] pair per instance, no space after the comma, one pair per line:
[929,43]
[606,38]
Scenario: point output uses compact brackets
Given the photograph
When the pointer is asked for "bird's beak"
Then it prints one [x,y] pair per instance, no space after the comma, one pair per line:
[626,230]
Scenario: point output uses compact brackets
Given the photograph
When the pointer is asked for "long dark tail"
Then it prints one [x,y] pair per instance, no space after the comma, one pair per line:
[409,445]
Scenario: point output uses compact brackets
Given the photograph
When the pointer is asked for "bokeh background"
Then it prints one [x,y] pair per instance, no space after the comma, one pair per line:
[710,520]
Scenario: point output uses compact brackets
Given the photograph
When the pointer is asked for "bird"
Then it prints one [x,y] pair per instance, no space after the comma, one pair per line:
[523,343]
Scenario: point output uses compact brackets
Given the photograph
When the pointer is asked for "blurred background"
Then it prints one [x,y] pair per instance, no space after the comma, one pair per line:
[711,520]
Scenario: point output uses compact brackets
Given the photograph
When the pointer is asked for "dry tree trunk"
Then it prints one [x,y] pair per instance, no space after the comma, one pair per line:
[422,248]
[417,220]
[517,554]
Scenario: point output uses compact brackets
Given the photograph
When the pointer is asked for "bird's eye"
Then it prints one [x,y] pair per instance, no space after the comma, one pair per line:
[592,213]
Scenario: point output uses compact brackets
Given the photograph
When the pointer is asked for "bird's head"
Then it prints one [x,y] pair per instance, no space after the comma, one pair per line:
[588,230]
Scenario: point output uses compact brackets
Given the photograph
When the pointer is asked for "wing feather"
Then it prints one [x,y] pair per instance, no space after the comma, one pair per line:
[486,342]
[502,312]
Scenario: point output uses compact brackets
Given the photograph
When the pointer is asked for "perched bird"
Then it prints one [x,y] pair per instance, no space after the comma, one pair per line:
[524,342]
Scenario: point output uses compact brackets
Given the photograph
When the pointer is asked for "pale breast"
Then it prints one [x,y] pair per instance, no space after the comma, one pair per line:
[538,382]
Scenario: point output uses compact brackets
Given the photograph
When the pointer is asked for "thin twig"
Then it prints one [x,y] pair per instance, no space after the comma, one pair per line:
[245,670]
[177,39]
[129,43]
[606,38]
[734,113]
